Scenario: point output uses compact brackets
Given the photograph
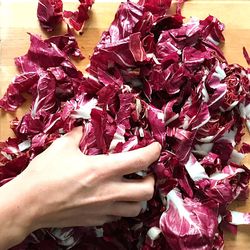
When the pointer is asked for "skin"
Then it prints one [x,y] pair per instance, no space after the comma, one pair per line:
[64,188]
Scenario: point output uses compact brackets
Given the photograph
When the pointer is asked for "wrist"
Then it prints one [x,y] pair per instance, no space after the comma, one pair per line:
[17,212]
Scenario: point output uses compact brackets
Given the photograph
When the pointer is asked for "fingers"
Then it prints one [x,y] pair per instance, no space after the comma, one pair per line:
[130,162]
[97,220]
[126,209]
[136,190]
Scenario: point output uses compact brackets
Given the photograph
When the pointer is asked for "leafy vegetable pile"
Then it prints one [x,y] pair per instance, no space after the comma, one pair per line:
[151,77]
[50,13]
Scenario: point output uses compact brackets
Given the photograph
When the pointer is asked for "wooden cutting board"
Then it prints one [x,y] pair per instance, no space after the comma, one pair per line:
[19,17]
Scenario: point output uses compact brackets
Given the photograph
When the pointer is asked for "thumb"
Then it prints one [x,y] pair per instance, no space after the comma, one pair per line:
[74,136]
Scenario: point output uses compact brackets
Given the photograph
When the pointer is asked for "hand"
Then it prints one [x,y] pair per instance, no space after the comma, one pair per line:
[64,188]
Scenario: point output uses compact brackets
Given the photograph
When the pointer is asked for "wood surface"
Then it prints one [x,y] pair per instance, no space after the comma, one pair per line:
[19,17]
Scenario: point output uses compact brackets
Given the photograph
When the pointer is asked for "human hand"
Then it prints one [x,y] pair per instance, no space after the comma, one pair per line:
[66,188]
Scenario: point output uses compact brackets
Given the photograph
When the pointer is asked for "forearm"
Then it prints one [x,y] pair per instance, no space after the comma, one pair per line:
[15,214]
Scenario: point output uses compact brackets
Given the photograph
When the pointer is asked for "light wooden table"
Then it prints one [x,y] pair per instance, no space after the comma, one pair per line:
[19,17]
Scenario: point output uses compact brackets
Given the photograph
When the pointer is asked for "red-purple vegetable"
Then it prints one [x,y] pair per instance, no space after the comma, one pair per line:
[50,13]
[76,19]
[151,78]
[246,55]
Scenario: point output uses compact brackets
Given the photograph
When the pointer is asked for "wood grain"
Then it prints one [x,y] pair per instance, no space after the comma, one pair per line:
[19,17]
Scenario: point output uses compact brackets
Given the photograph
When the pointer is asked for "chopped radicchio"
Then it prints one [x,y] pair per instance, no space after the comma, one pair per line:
[50,13]
[246,55]
[151,78]
[197,222]
[76,19]
[46,60]
[67,44]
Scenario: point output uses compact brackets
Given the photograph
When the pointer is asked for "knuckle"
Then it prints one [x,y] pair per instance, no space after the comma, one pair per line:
[98,168]
[91,178]
[94,174]
[98,174]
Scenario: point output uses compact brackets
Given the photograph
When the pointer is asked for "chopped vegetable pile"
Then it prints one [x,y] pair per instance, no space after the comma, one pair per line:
[50,13]
[151,78]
